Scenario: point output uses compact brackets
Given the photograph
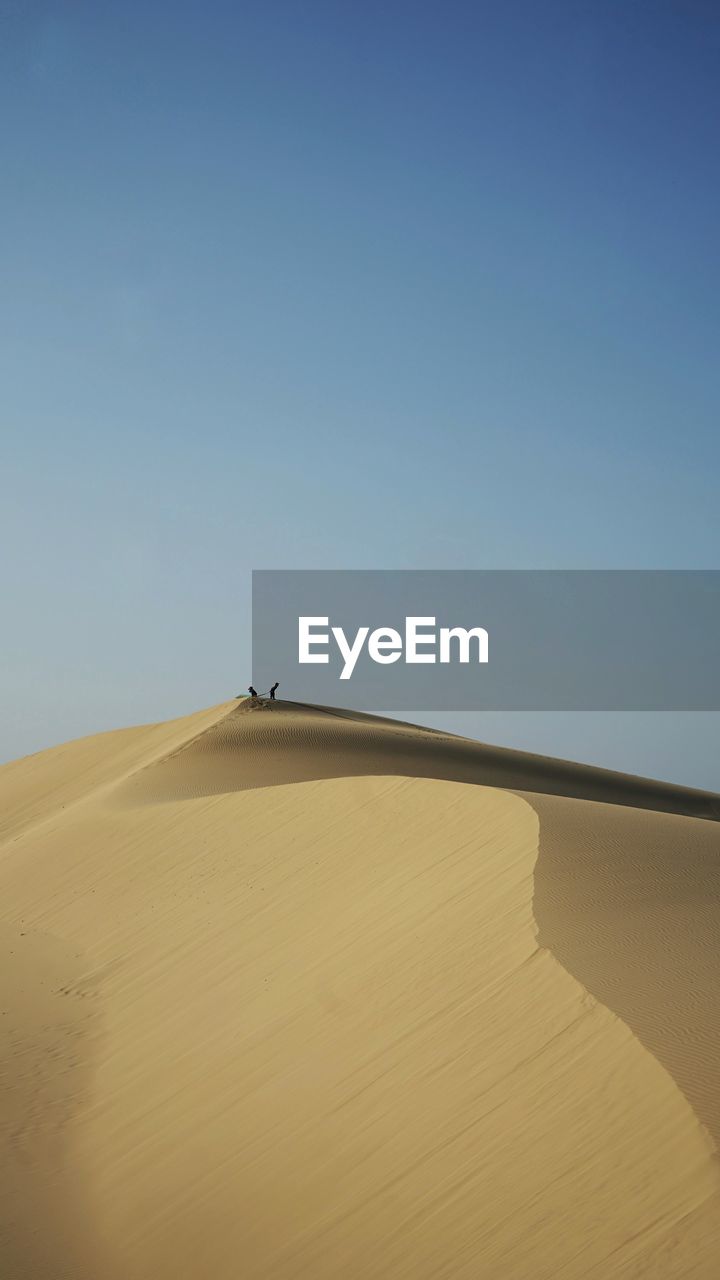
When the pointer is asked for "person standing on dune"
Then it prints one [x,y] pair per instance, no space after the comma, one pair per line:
[274,687]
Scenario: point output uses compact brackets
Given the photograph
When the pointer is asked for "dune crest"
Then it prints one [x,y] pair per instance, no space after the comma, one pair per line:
[318,1028]
[255,743]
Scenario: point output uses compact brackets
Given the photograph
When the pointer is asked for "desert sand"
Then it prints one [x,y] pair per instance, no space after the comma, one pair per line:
[291,992]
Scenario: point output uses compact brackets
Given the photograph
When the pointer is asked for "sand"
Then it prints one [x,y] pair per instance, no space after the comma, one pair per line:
[290,993]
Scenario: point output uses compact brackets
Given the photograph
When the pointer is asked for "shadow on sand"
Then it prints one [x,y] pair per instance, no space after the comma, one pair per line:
[629,903]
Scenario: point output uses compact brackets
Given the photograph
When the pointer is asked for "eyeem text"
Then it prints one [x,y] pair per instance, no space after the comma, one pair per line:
[422,642]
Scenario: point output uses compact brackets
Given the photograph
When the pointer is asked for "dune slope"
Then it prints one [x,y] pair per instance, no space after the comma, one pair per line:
[257,744]
[290,994]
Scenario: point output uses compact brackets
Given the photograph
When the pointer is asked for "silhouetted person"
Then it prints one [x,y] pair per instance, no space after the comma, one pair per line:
[275,686]
[252,692]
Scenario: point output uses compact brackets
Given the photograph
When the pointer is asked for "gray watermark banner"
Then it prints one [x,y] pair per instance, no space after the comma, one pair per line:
[495,640]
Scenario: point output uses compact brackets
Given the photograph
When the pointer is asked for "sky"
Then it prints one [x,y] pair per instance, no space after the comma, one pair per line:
[341,285]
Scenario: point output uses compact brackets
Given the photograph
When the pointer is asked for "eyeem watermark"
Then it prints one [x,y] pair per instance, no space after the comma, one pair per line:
[420,642]
[520,640]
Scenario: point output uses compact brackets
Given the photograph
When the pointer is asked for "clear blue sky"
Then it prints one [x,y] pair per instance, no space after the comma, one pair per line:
[345,285]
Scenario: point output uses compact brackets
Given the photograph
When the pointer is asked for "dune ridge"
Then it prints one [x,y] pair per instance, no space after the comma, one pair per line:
[291,992]
[244,748]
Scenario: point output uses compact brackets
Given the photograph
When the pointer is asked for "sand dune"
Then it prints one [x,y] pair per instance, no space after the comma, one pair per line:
[289,992]
[302,743]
